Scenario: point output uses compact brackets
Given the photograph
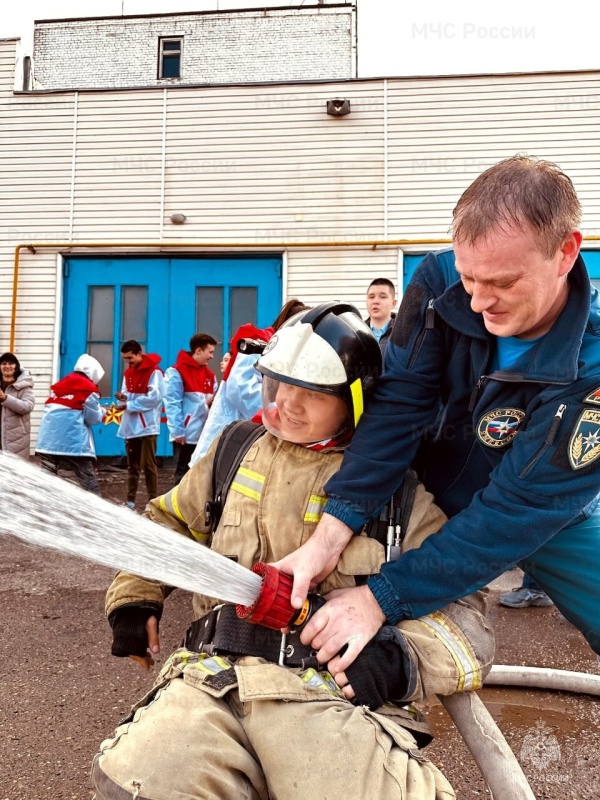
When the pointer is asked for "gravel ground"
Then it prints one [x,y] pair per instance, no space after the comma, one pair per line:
[61,692]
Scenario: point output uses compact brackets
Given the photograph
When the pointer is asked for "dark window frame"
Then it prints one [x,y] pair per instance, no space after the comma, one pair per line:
[170,55]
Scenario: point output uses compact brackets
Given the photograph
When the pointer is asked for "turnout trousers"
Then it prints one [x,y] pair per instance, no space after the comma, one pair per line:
[270,733]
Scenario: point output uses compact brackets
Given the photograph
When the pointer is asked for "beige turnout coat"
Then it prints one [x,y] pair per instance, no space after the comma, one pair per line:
[272,508]
[215,727]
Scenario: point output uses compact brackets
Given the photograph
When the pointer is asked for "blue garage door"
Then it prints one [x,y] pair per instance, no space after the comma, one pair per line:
[591,258]
[161,303]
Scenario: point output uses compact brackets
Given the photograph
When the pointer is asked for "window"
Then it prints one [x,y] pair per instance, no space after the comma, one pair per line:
[169,57]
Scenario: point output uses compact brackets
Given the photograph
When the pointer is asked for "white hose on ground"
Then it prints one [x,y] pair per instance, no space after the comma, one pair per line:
[496,761]
[543,678]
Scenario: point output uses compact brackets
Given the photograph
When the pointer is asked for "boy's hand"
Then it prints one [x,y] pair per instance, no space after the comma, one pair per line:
[153,645]
[135,634]
[377,675]
[121,396]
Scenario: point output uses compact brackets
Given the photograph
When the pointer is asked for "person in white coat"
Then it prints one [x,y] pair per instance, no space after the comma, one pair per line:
[190,387]
[65,439]
[240,394]
[140,400]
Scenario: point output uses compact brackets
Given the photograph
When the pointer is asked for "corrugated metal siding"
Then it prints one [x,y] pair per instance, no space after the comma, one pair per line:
[118,166]
[273,165]
[316,275]
[445,132]
[265,164]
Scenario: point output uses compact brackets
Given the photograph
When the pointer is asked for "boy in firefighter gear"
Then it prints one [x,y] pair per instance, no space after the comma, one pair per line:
[233,714]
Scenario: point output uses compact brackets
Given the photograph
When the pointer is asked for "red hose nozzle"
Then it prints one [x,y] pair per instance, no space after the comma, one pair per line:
[272,608]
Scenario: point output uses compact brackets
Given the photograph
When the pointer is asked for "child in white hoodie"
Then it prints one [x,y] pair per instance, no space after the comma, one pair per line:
[65,439]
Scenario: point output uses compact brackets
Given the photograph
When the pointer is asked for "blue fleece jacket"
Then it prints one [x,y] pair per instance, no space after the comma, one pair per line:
[512,457]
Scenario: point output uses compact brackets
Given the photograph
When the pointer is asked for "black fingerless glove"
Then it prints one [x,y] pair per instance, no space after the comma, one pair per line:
[378,674]
[129,629]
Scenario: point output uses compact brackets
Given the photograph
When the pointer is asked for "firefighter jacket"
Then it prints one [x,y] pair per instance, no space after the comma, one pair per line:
[272,508]
[512,457]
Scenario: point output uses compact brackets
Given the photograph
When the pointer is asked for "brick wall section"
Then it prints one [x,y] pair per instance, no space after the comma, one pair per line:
[269,45]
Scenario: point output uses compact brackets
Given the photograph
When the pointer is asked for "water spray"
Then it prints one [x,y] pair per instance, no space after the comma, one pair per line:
[46,511]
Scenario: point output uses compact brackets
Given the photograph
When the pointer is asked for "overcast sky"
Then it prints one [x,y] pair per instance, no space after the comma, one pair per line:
[431,37]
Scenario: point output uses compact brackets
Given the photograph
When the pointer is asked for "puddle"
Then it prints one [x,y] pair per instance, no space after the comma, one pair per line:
[524,709]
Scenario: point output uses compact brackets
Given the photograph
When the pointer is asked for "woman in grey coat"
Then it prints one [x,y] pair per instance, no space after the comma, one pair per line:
[16,404]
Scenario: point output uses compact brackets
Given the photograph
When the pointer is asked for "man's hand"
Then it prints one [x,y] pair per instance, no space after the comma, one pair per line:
[121,396]
[349,619]
[317,558]
[147,661]
[180,440]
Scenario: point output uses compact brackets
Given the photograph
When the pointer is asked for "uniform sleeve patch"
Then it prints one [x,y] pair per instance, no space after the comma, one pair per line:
[584,445]
[407,315]
[593,397]
[499,427]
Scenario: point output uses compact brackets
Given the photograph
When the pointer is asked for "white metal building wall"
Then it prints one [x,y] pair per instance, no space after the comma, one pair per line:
[264,164]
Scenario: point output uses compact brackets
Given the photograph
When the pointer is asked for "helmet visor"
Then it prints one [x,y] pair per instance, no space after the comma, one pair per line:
[302,415]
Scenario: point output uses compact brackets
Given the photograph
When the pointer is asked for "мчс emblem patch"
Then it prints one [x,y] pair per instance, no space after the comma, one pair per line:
[584,444]
[499,427]
[593,397]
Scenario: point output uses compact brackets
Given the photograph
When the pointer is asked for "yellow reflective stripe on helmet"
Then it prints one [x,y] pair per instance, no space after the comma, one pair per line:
[458,647]
[168,503]
[357,400]
[314,510]
[248,483]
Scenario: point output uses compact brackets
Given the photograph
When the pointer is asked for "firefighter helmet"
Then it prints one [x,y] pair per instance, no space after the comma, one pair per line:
[327,349]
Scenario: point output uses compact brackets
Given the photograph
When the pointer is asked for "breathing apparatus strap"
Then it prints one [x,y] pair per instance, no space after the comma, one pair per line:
[395,514]
[236,439]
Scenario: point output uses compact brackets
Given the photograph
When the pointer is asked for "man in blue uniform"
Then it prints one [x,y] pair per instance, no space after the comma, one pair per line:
[491,389]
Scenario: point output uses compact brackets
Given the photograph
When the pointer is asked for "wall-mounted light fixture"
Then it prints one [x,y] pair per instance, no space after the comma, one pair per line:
[338,107]
[178,219]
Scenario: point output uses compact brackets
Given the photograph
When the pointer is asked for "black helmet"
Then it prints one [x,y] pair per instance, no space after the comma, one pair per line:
[329,349]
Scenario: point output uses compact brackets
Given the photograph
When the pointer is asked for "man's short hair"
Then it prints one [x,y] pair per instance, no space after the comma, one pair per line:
[201,340]
[131,346]
[383,282]
[517,190]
